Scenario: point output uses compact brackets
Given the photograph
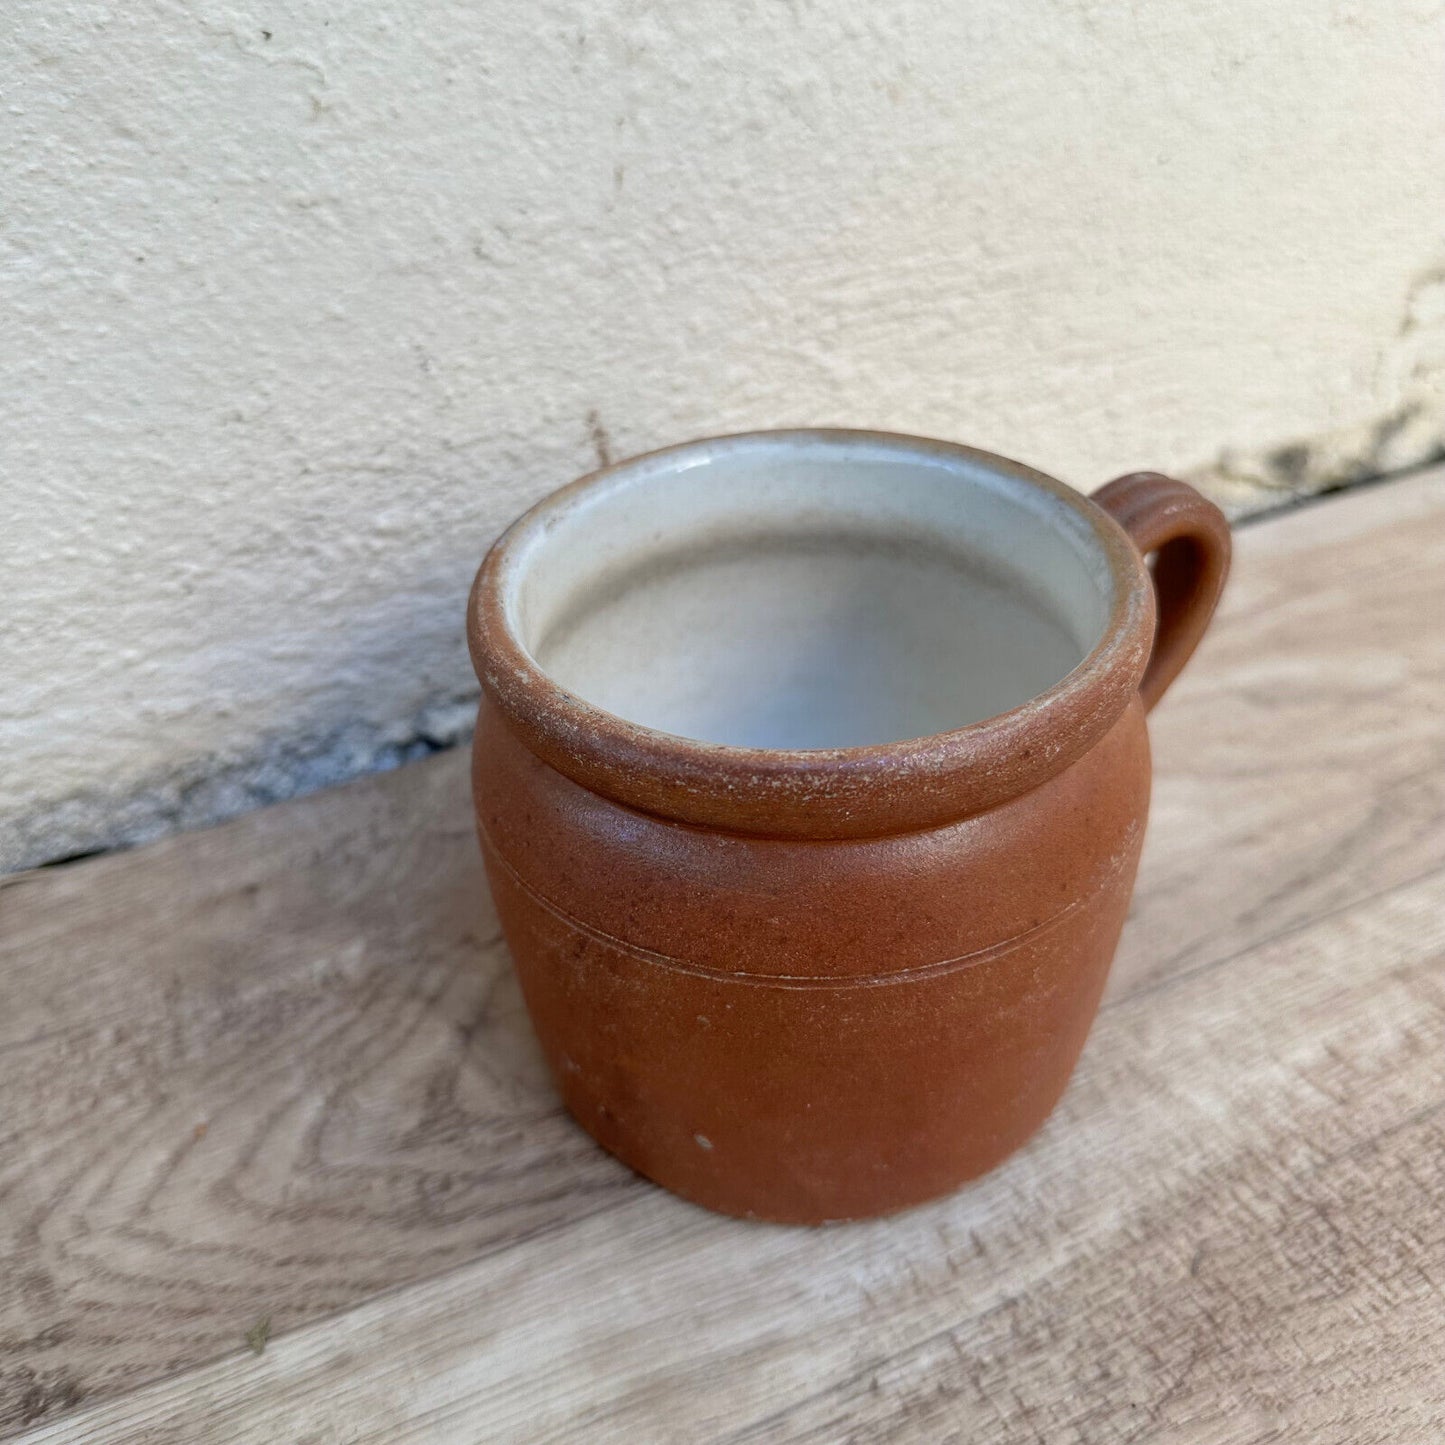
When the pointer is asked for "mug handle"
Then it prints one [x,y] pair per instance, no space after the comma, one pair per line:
[1189,537]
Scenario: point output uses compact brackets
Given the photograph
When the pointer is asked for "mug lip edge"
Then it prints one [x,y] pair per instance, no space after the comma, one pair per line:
[863,790]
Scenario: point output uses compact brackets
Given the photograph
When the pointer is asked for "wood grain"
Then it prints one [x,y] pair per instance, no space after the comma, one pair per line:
[259,1071]
[280,1069]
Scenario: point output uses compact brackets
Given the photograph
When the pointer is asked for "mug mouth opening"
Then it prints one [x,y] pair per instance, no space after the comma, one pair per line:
[736,626]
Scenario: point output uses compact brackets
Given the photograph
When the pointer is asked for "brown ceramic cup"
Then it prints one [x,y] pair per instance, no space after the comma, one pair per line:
[811,776]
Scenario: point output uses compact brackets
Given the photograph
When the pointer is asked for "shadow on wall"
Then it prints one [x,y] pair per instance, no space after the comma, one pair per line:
[315,752]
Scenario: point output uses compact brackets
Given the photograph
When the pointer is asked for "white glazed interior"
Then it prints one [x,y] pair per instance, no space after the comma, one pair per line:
[807,590]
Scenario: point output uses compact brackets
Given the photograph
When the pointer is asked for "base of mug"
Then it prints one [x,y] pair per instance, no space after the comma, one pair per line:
[846,1207]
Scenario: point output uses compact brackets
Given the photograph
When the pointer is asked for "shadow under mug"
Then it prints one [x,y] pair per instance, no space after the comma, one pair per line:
[811,777]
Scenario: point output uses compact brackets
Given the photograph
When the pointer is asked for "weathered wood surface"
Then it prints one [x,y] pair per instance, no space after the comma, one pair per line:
[280,1070]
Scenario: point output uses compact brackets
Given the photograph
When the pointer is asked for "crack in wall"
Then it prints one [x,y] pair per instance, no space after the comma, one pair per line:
[1409,433]
[209,789]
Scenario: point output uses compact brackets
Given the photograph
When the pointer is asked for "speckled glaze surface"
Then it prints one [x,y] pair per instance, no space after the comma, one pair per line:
[820,983]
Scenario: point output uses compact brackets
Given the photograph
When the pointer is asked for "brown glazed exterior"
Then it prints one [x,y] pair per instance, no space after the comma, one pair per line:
[829,984]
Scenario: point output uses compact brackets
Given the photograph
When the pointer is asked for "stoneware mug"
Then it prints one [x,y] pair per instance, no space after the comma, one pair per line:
[811,777]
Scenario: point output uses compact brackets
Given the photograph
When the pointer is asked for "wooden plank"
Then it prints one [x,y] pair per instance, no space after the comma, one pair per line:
[1300,760]
[1191,1252]
[258,1071]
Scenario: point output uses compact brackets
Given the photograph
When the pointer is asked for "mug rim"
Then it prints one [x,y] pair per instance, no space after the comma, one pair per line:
[857,791]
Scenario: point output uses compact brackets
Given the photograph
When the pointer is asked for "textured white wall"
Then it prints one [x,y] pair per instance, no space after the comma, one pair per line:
[303,302]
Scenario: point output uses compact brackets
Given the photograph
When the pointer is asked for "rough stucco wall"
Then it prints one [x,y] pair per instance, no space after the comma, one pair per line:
[302,303]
